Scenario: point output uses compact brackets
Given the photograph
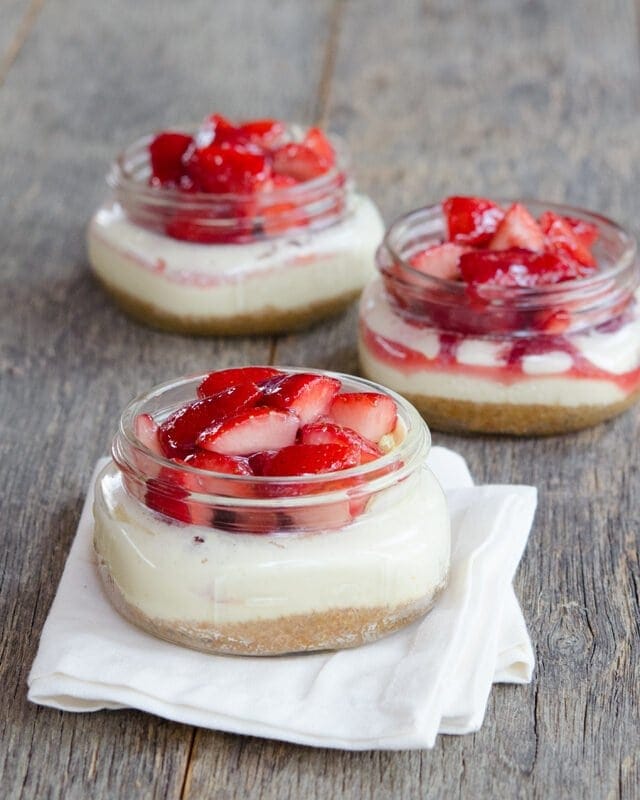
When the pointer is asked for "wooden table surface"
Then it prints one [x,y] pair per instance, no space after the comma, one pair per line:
[504,97]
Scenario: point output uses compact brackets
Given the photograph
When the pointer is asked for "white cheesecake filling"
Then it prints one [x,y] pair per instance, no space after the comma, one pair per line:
[397,552]
[225,280]
[544,381]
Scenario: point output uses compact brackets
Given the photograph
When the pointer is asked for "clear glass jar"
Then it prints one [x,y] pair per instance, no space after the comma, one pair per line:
[205,263]
[270,565]
[493,359]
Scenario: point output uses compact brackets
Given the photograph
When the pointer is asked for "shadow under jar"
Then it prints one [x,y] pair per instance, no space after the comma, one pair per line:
[496,359]
[205,263]
[270,565]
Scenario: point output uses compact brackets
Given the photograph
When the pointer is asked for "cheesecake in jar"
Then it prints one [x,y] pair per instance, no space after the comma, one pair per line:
[225,228]
[518,318]
[260,511]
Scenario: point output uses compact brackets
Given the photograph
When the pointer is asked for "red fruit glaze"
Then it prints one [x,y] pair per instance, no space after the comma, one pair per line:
[518,229]
[518,267]
[370,414]
[255,429]
[562,239]
[179,433]
[306,459]
[166,152]
[306,395]
[226,378]
[471,220]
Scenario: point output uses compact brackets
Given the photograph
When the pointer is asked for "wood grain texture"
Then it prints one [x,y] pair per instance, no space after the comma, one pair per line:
[510,98]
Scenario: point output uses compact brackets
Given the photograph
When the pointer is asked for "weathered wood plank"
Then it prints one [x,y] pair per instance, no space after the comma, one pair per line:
[90,77]
[17,17]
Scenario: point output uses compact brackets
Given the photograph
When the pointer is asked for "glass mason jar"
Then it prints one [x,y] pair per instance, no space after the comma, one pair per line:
[261,565]
[204,263]
[495,359]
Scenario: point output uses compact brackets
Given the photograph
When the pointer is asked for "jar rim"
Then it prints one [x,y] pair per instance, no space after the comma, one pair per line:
[410,453]
[123,170]
[626,261]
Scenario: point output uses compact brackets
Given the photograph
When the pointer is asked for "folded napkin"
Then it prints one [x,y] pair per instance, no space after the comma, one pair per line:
[432,677]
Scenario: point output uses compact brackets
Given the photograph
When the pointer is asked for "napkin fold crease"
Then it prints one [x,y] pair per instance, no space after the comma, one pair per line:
[398,693]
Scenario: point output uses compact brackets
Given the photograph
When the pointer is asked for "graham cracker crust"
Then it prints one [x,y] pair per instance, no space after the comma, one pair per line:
[465,416]
[331,630]
[269,320]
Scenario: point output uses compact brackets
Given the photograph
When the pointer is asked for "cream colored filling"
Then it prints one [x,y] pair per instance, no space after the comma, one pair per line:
[395,553]
[226,280]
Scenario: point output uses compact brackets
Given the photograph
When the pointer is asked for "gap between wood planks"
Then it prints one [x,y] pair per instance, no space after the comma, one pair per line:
[319,118]
[22,34]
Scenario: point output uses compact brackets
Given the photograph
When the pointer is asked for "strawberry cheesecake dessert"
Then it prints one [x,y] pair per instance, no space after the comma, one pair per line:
[260,511]
[518,318]
[234,228]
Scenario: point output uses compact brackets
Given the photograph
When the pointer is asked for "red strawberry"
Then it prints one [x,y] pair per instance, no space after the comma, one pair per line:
[166,495]
[330,433]
[471,220]
[263,132]
[306,459]
[587,232]
[318,143]
[227,169]
[561,238]
[440,261]
[298,161]
[146,431]
[218,463]
[254,429]
[306,395]
[518,267]
[226,378]
[179,433]
[518,229]
[370,414]
[166,151]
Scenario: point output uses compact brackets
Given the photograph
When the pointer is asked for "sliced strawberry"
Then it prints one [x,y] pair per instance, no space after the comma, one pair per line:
[306,395]
[587,232]
[168,497]
[440,261]
[325,432]
[218,462]
[146,431]
[166,152]
[254,429]
[370,414]
[179,433]
[263,132]
[306,459]
[214,484]
[227,169]
[518,229]
[471,220]
[561,238]
[319,144]
[226,378]
[518,267]
[298,161]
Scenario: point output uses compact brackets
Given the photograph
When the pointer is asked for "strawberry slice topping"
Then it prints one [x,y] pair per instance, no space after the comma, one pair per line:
[440,261]
[146,430]
[167,496]
[587,232]
[518,267]
[330,433]
[306,459]
[306,395]
[471,220]
[166,152]
[179,433]
[518,229]
[370,414]
[254,429]
[561,238]
[227,169]
[226,378]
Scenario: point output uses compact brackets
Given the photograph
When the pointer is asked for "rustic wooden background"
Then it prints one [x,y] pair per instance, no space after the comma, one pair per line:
[507,97]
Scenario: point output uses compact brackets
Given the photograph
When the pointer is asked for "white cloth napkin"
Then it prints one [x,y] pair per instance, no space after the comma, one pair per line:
[400,692]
